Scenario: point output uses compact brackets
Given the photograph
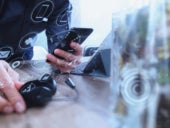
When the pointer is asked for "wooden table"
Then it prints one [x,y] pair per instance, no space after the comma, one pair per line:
[92,108]
[89,110]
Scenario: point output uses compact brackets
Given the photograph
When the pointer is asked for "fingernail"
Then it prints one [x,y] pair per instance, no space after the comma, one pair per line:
[7,109]
[19,107]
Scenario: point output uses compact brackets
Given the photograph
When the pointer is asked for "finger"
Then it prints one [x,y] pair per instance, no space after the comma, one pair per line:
[5,106]
[51,58]
[60,63]
[18,84]
[66,55]
[77,47]
[11,92]
[55,61]
[14,98]
[69,57]
[64,64]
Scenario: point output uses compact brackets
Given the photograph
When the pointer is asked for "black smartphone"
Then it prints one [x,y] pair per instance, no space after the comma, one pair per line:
[78,35]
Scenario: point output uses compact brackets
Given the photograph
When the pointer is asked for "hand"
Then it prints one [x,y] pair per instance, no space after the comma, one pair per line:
[70,60]
[10,99]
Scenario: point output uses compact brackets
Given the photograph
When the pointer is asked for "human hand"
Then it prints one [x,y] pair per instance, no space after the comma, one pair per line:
[70,60]
[10,99]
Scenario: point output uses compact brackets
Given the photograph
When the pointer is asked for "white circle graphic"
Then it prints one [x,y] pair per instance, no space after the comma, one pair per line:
[42,11]
[62,18]
[135,86]
[6,52]
[28,40]
[17,63]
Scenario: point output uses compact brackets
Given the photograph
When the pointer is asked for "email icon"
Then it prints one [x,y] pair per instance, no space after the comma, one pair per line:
[4,54]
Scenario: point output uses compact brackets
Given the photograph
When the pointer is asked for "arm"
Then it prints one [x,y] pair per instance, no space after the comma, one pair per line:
[58,23]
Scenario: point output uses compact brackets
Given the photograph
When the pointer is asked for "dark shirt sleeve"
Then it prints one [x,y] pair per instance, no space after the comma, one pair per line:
[58,23]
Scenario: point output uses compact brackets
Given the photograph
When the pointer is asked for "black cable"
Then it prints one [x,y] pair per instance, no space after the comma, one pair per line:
[68,81]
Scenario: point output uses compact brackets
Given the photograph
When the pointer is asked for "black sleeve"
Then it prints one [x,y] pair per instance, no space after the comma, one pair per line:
[58,23]
[1,6]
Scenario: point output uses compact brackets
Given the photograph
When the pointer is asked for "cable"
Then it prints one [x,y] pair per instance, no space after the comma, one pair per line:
[68,81]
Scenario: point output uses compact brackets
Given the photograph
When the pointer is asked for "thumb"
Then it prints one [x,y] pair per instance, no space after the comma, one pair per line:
[18,84]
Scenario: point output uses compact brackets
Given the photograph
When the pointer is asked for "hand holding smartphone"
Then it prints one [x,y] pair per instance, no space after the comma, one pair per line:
[64,39]
[78,35]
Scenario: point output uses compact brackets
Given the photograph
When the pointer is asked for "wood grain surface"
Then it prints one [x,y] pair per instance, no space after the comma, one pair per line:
[89,110]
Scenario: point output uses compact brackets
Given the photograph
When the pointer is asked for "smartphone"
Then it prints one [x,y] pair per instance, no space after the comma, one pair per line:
[78,35]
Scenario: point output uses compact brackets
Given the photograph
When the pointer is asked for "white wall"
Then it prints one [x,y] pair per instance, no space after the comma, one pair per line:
[98,15]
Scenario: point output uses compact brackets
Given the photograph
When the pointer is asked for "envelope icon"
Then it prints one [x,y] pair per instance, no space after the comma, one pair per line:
[4,54]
